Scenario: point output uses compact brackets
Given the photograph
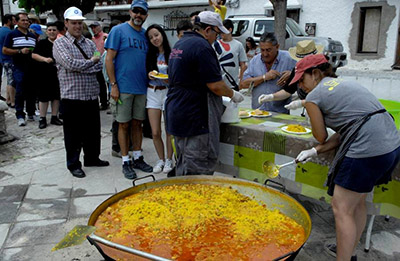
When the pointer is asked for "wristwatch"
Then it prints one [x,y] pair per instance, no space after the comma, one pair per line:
[19,51]
[113,83]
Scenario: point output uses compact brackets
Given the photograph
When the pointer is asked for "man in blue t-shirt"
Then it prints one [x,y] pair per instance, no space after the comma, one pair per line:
[194,104]
[19,44]
[5,60]
[126,68]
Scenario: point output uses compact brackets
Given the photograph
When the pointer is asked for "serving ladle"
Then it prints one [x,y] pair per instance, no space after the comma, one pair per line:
[272,170]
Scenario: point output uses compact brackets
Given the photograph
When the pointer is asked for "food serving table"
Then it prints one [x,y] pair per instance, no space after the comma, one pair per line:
[244,146]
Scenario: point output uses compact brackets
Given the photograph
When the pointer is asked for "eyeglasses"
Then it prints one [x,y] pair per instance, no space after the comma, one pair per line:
[139,11]
[212,28]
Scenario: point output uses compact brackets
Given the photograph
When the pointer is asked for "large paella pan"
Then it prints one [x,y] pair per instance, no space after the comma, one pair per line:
[151,220]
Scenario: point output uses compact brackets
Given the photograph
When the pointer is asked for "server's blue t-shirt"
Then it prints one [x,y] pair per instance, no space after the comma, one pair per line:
[192,64]
[130,61]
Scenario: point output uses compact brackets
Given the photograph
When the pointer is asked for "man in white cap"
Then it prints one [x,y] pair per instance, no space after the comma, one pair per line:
[194,104]
[126,68]
[77,68]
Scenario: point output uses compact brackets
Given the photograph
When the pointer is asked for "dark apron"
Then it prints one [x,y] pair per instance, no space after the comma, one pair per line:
[348,135]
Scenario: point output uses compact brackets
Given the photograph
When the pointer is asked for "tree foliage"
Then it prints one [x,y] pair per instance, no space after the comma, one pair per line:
[58,6]
[280,20]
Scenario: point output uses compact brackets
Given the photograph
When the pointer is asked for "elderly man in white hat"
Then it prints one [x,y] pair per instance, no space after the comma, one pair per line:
[194,104]
[302,49]
[77,68]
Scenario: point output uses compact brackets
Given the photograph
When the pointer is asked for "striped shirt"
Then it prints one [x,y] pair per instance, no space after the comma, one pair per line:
[18,40]
[76,74]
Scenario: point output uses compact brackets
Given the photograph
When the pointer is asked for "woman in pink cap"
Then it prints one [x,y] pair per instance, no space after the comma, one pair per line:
[366,139]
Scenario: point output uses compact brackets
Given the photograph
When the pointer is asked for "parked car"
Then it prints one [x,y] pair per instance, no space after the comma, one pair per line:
[255,26]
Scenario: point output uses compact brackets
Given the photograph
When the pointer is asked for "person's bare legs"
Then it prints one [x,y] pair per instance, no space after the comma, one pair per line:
[43,109]
[55,104]
[123,137]
[170,151]
[137,135]
[361,218]
[345,204]
[155,123]
[10,95]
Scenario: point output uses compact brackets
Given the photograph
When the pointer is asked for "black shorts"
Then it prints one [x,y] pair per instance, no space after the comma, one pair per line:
[361,175]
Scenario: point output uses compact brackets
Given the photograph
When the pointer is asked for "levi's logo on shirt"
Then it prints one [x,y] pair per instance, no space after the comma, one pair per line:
[137,44]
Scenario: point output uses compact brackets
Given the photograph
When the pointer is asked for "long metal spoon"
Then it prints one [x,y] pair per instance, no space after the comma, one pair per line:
[272,170]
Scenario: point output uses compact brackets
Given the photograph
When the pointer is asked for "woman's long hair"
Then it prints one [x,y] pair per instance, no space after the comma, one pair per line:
[152,54]
[252,43]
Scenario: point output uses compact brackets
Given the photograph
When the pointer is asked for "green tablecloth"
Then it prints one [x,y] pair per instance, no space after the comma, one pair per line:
[247,144]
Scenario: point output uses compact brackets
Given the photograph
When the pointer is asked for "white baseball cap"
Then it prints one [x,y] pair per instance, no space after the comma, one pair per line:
[73,13]
[211,18]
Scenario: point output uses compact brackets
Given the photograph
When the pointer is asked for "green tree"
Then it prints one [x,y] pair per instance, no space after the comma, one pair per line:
[57,6]
[280,20]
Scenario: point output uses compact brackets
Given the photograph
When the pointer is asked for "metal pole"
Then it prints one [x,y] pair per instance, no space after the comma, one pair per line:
[1,11]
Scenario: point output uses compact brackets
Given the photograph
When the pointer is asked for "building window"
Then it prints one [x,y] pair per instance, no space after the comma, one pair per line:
[172,19]
[370,23]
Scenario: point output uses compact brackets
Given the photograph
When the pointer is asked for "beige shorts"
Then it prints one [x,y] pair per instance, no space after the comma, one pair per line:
[131,107]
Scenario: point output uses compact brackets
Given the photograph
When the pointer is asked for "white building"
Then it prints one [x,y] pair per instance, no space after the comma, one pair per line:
[368,29]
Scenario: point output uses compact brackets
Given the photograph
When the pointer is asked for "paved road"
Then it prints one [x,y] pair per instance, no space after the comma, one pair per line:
[40,201]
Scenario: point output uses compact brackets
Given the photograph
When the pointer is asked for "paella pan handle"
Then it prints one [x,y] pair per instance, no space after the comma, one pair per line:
[149,256]
[276,185]
[92,242]
[284,256]
[148,176]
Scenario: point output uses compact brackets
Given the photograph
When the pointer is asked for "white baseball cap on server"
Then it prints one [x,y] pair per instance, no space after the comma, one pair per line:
[211,18]
[73,13]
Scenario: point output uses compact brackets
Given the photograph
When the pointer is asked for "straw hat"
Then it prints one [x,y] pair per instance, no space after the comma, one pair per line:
[304,48]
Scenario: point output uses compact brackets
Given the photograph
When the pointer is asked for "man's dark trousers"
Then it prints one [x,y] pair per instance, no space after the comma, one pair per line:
[81,131]
[24,93]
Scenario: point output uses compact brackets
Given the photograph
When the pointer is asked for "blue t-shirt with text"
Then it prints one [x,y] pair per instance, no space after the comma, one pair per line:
[130,61]
[192,64]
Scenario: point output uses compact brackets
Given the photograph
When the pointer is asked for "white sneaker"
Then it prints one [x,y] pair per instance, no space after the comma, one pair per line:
[168,166]
[158,167]
[21,122]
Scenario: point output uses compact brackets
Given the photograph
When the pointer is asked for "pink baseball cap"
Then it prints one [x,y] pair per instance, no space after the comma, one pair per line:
[307,62]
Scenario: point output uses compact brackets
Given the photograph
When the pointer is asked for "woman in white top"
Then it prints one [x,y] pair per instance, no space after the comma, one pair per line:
[157,60]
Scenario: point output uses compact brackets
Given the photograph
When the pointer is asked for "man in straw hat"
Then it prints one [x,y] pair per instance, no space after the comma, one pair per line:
[77,67]
[302,49]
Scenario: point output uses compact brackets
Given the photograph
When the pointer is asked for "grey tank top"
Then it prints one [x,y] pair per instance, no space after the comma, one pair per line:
[342,102]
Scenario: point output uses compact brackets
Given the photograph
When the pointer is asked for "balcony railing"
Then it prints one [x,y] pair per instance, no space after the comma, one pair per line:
[115,2]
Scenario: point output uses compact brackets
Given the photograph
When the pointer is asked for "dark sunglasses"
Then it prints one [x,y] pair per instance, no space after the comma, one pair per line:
[218,33]
[139,11]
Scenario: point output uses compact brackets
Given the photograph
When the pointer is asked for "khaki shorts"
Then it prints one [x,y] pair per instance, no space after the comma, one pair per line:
[132,107]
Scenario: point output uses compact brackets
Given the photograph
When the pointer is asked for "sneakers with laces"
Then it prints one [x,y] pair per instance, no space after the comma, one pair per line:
[332,248]
[21,122]
[168,166]
[128,170]
[42,123]
[159,166]
[143,166]
[55,121]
